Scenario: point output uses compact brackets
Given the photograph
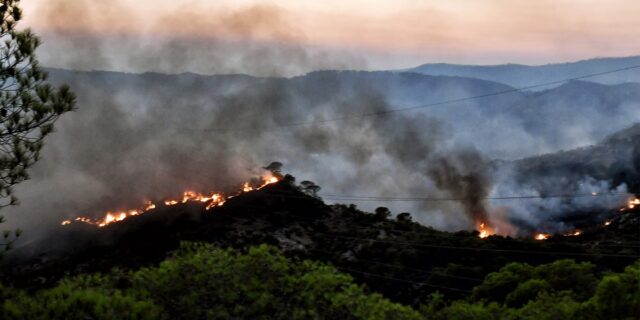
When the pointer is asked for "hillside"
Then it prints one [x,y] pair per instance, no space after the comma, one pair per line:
[360,243]
[615,160]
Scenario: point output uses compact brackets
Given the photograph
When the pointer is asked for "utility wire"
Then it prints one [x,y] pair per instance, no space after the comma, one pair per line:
[481,249]
[287,195]
[401,267]
[412,198]
[428,198]
[446,102]
[348,270]
[437,235]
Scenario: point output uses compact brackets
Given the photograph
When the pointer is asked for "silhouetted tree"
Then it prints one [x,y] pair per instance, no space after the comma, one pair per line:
[404,217]
[275,167]
[28,106]
[382,213]
[310,188]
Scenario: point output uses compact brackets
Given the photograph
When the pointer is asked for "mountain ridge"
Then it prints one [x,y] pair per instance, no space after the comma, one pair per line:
[520,75]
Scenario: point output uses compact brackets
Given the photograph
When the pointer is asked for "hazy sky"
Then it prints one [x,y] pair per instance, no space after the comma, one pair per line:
[381,34]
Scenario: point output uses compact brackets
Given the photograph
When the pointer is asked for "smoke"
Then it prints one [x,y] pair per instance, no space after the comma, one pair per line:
[256,39]
[147,137]
[150,136]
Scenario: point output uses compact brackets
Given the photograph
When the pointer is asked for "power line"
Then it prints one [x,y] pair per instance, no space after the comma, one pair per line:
[446,102]
[482,249]
[401,267]
[400,280]
[413,198]
[441,235]
[427,198]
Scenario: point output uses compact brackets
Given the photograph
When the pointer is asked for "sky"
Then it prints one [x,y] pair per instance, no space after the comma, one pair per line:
[368,34]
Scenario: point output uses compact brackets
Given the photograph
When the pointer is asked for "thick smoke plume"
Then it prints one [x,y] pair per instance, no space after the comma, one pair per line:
[139,137]
[197,37]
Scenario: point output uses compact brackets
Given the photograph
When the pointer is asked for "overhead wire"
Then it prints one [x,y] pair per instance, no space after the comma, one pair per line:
[445,102]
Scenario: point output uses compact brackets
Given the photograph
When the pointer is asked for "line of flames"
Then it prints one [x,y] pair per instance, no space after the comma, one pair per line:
[213,200]
[484,230]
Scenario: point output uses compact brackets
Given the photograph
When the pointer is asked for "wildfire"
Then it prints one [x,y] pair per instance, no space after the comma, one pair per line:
[484,230]
[633,203]
[573,234]
[213,200]
[542,236]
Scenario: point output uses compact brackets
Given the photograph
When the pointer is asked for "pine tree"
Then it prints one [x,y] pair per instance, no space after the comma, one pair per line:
[28,105]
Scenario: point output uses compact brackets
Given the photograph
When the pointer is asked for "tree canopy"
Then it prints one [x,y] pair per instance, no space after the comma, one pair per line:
[28,105]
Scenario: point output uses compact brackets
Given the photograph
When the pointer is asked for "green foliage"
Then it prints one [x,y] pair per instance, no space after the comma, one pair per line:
[204,282]
[470,311]
[526,291]
[564,289]
[565,274]
[28,106]
[67,301]
[617,296]
[498,285]
[201,281]
[515,283]
[548,307]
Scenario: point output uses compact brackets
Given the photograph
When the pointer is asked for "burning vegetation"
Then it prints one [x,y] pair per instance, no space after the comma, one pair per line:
[484,229]
[214,199]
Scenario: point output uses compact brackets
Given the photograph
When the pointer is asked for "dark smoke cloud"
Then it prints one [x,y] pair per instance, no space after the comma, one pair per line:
[258,40]
[149,136]
[146,137]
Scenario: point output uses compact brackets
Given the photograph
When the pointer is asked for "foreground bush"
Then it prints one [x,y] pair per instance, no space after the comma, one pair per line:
[204,282]
[563,289]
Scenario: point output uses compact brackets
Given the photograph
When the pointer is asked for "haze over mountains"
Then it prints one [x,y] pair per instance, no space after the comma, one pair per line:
[524,75]
[167,133]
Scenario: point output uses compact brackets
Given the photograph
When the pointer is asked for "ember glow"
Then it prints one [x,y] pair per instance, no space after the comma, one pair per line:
[212,200]
[632,203]
[484,230]
[542,236]
[573,233]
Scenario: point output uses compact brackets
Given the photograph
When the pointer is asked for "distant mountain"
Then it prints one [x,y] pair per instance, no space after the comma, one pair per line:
[524,75]
[560,118]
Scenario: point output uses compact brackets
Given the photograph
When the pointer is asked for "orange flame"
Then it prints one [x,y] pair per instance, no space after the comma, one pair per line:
[213,200]
[573,234]
[542,236]
[632,203]
[484,230]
